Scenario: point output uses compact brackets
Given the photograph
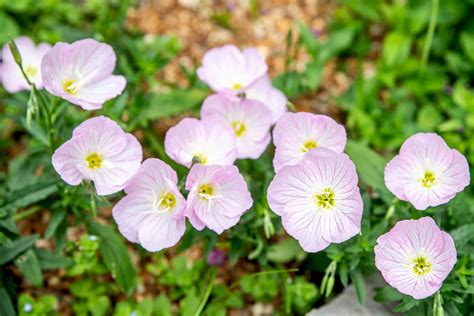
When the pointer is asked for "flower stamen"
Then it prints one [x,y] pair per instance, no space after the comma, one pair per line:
[429,179]
[308,146]
[94,161]
[421,265]
[325,199]
[239,128]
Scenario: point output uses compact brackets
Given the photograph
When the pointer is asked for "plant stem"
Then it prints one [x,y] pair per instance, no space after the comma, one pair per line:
[429,35]
[203,302]
[25,214]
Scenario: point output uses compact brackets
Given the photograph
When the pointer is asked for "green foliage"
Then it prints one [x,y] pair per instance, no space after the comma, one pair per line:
[393,94]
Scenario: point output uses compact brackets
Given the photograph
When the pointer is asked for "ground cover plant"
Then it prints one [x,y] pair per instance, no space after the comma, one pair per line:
[235,188]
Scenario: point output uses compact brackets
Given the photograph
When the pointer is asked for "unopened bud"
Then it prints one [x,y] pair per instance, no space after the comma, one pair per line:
[15,52]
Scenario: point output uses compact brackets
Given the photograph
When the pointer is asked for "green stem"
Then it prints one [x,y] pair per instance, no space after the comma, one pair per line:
[203,302]
[429,35]
[25,214]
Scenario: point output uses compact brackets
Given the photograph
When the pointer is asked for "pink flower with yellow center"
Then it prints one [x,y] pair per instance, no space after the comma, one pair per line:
[81,73]
[250,120]
[228,70]
[318,199]
[427,172]
[296,133]
[218,196]
[152,211]
[415,257]
[99,151]
[210,140]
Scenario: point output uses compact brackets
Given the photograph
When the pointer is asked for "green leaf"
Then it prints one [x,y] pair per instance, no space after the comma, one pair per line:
[388,294]
[16,248]
[29,265]
[9,28]
[358,280]
[49,260]
[396,49]
[6,306]
[162,306]
[30,195]
[171,103]
[407,304]
[57,218]
[284,251]
[370,167]
[467,44]
[115,254]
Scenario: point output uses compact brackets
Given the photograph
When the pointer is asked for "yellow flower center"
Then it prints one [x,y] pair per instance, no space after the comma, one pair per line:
[308,145]
[326,199]
[429,179]
[239,128]
[236,86]
[70,86]
[422,265]
[94,161]
[31,71]
[168,201]
[205,190]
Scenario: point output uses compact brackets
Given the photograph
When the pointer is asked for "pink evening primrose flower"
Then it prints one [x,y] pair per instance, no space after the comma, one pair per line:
[81,73]
[263,91]
[31,55]
[100,151]
[318,199]
[296,133]
[415,257]
[250,120]
[211,140]
[218,196]
[152,211]
[426,172]
[228,70]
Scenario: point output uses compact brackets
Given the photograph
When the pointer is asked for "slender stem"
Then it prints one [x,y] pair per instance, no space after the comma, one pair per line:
[430,34]
[25,214]
[204,299]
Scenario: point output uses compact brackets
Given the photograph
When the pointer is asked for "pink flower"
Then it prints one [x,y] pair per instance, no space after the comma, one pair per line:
[228,70]
[218,196]
[426,172]
[211,140]
[296,133]
[318,199]
[81,73]
[152,212]
[31,55]
[415,257]
[100,151]
[250,120]
[263,91]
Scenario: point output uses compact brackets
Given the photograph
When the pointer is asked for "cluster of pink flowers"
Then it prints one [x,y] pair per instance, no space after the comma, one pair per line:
[416,256]
[315,190]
